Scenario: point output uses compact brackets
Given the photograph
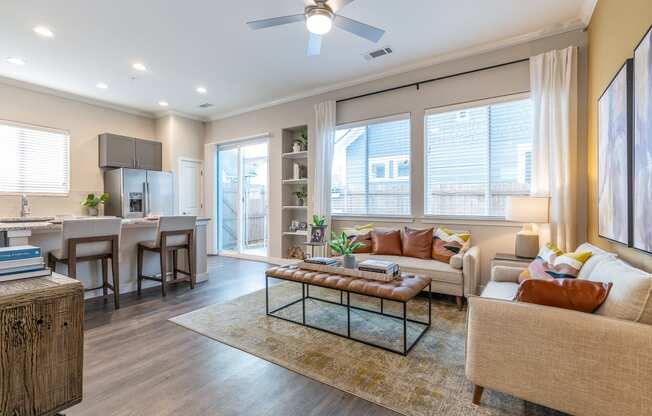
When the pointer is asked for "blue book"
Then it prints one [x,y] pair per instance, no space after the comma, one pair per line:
[22,269]
[19,252]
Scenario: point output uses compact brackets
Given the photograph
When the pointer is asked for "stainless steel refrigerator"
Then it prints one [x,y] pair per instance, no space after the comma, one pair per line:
[137,193]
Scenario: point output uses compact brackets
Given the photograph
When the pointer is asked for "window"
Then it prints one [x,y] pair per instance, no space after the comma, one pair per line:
[476,156]
[371,168]
[33,160]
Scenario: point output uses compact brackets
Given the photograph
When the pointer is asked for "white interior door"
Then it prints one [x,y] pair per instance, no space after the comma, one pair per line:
[190,187]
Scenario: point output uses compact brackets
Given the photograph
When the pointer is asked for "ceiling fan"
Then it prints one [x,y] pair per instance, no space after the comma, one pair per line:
[320,16]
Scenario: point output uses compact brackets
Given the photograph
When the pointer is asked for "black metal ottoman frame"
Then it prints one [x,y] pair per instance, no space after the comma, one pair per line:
[305,294]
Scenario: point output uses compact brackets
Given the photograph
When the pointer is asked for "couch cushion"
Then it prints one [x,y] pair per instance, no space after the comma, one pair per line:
[362,238]
[575,294]
[386,242]
[598,256]
[500,290]
[447,243]
[417,243]
[552,262]
[437,270]
[630,297]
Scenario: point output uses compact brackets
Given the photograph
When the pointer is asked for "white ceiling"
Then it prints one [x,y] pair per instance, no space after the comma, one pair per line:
[189,43]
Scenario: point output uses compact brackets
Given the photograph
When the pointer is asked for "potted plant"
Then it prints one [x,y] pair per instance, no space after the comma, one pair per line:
[301,196]
[300,143]
[317,228]
[345,247]
[93,202]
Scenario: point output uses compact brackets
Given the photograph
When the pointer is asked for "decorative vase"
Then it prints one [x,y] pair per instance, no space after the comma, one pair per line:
[348,261]
[296,171]
[93,211]
[301,202]
[317,233]
[296,147]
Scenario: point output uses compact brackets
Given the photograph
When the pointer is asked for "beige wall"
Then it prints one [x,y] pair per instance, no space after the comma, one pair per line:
[181,137]
[615,29]
[83,122]
[491,237]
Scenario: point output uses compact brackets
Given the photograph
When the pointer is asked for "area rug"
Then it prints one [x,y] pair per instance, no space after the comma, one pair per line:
[429,381]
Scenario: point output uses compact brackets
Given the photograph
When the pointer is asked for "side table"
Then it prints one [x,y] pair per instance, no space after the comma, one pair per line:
[314,246]
[42,342]
[504,259]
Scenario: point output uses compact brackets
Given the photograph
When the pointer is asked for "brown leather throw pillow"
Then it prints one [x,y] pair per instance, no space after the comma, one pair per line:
[417,243]
[363,239]
[576,294]
[386,242]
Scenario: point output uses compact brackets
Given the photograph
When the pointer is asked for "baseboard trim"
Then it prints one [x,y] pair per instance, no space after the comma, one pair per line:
[277,261]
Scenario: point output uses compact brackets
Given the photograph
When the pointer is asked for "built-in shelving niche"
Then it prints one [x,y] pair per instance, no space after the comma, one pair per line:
[291,183]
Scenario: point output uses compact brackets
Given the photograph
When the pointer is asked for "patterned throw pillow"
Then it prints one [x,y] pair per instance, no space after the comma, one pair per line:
[447,243]
[360,234]
[553,263]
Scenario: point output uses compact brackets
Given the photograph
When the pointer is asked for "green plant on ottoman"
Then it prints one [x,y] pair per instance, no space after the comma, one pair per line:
[345,247]
[93,202]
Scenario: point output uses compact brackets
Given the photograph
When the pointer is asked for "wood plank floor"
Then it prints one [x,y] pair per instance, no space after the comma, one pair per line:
[138,363]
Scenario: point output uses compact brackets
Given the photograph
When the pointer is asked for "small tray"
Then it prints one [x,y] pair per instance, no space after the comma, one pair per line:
[349,272]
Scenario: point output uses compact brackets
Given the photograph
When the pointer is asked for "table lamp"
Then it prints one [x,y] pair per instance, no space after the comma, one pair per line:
[528,210]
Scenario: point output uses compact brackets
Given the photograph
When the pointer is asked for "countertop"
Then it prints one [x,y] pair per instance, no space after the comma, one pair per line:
[37,223]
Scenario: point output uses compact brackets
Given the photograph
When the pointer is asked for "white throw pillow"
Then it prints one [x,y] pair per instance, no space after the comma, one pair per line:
[630,297]
[599,255]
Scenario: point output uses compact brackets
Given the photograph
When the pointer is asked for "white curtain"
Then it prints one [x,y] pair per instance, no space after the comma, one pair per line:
[323,145]
[553,83]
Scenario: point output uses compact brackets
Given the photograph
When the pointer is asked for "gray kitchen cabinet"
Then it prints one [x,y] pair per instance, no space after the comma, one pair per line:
[116,151]
[127,152]
[149,155]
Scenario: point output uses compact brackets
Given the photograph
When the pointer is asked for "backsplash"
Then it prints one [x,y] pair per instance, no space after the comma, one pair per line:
[46,205]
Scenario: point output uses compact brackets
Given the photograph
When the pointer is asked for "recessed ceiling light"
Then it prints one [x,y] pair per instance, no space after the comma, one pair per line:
[43,31]
[163,103]
[202,90]
[102,85]
[139,67]
[16,61]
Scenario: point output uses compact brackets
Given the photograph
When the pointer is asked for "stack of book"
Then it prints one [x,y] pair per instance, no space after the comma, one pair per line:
[324,261]
[21,262]
[379,266]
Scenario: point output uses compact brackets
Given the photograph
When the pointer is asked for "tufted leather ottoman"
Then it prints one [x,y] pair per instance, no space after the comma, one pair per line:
[400,290]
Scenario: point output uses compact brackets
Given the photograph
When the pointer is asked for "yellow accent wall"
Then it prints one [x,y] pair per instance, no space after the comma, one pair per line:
[615,29]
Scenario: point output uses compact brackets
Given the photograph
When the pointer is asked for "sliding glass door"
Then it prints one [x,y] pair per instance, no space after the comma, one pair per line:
[242,198]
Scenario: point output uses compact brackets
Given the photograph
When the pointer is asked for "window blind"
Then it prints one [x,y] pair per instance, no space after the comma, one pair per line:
[33,160]
[371,168]
[476,156]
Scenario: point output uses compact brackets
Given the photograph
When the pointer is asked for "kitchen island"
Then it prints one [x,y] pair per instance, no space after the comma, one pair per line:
[47,235]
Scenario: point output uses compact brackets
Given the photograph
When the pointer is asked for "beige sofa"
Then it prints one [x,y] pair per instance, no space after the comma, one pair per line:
[459,278]
[583,364]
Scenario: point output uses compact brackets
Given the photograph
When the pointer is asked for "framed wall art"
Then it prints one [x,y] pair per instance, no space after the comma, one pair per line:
[614,157]
[642,152]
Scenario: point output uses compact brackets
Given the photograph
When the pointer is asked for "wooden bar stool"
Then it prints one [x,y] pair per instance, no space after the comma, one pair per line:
[91,239]
[174,233]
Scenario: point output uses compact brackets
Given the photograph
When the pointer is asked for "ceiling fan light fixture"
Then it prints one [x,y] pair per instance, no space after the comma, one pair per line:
[319,21]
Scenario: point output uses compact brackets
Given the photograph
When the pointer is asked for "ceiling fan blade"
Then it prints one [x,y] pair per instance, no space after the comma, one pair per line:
[314,45]
[358,28]
[336,5]
[276,21]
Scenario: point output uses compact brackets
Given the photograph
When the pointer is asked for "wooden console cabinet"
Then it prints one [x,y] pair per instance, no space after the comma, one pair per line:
[41,345]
